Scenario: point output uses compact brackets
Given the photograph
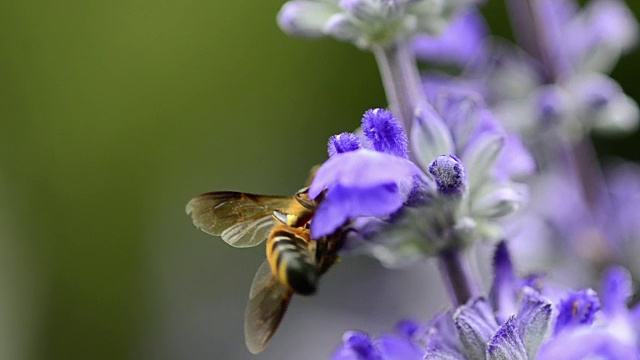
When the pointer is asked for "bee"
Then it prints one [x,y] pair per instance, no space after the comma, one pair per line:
[294,262]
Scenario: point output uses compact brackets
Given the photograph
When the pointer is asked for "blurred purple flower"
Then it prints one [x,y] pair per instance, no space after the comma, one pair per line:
[514,324]
[585,43]
[579,308]
[612,335]
[359,346]
[462,42]
[571,234]
[343,143]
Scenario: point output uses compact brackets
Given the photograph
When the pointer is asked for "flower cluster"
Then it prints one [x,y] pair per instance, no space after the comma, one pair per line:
[366,22]
[605,230]
[463,146]
[443,188]
[517,321]
[570,92]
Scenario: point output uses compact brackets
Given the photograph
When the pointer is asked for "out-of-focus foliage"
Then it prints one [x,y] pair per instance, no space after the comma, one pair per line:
[113,115]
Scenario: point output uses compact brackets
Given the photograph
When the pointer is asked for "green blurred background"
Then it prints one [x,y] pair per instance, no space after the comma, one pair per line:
[113,115]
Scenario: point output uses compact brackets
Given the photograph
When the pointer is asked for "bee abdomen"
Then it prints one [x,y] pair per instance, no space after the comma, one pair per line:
[292,262]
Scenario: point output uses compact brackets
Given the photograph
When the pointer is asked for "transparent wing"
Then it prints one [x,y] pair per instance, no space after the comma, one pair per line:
[242,220]
[268,302]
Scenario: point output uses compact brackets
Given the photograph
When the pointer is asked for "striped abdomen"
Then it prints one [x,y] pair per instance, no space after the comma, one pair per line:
[292,260]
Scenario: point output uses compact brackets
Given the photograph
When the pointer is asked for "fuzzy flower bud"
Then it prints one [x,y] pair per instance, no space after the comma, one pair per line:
[343,143]
[384,133]
[449,174]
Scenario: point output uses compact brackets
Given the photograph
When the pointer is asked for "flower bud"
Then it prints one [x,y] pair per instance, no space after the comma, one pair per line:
[343,143]
[384,132]
[303,18]
[449,174]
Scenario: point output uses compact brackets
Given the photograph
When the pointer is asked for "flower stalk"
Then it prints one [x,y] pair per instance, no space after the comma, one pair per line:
[400,79]
[402,86]
[536,34]
[457,276]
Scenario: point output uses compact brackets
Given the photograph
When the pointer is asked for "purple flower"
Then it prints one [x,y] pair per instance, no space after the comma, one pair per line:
[579,308]
[611,336]
[571,234]
[416,196]
[479,332]
[461,42]
[514,324]
[359,183]
[583,45]
[515,161]
[359,346]
[595,36]
[372,181]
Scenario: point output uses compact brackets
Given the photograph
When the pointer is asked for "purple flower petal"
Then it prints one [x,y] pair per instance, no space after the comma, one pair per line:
[504,288]
[343,203]
[602,31]
[462,41]
[514,161]
[395,347]
[578,308]
[615,290]
[357,346]
[613,23]
[407,327]
[362,169]
[588,343]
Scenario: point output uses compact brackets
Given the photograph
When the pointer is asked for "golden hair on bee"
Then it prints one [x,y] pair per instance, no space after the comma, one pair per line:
[291,255]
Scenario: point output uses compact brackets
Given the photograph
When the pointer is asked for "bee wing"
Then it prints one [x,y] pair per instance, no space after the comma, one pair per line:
[242,220]
[268,302]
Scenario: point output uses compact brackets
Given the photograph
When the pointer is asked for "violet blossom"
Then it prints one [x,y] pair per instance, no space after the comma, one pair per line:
[406,204]
[584,45]
[516,322]
[446,165]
